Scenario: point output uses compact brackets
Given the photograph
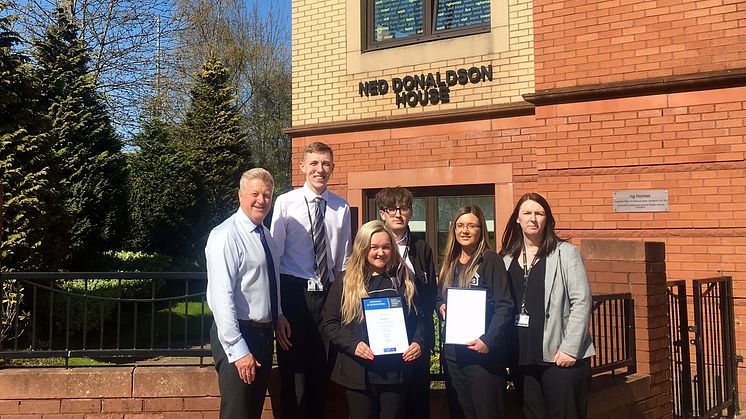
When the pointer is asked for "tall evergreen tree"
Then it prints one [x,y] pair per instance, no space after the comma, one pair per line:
[163,193]
[87,149]
[214,141]
[30,240]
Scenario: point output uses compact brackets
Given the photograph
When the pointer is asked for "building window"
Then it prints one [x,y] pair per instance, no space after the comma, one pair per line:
[433,209]
[401,22]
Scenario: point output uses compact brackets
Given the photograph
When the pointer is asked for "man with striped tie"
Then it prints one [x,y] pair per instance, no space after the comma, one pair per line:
[311,226]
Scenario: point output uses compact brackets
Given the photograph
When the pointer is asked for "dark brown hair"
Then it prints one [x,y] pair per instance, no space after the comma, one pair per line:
[452,251]
[391,197]
[512,241]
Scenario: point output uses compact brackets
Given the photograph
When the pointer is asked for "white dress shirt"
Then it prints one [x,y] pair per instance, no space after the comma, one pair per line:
[401,245]
[238,281]
[291,231]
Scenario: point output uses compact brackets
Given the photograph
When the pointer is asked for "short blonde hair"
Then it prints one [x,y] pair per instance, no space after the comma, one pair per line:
[256,173]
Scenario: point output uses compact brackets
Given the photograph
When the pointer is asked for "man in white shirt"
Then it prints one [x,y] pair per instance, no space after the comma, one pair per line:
[243,294]
[311,227]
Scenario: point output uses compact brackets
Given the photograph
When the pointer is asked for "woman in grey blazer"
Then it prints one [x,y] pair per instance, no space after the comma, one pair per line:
[552,313]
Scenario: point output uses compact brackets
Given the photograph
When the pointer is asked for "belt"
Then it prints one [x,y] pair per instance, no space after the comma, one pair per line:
[254,323]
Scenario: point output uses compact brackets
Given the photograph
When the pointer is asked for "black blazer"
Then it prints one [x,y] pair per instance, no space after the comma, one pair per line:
[427,288]
[349,369]
[493,278]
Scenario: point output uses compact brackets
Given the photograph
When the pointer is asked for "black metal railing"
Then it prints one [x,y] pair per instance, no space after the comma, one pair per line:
[681,368]
[146,315]
[703,353]
[613,333]
[612,330]
[105,314]
[716,378]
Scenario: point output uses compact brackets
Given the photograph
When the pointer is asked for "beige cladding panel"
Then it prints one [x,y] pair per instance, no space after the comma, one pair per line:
[328,62]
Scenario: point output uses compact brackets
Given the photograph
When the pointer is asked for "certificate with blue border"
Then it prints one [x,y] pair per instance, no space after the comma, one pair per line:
[387,330]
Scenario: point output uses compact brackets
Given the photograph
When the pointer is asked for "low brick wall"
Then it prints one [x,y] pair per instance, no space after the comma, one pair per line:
[192,393]
[111,393]
[620,397]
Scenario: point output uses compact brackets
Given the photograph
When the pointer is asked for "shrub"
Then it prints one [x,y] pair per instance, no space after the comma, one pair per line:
[11,312]
[127,261]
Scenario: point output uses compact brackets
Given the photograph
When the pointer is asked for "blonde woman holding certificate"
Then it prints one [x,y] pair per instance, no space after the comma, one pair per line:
[373,383]
[475,369]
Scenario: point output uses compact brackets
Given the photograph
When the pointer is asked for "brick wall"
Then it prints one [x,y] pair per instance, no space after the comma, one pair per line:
[325,86]
[639,268]
[601,41]
[577,155]
[110,393]
[90,393]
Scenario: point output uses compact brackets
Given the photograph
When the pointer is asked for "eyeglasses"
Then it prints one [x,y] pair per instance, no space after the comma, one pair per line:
[470,227]
[402,210]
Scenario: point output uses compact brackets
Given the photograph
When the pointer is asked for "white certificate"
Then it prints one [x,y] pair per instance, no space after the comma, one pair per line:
[387,331]
[465,314]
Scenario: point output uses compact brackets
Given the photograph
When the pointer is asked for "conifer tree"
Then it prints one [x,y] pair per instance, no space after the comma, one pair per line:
[86,147]
[163,193]
[214,141]
[30,236]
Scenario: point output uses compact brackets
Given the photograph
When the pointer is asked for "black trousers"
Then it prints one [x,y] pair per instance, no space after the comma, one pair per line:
[238,399]
[377,401]
[304,370]
[417,404]
[556,393]
[478,381]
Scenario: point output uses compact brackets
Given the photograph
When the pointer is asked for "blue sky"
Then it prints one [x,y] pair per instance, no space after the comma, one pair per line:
[283,7]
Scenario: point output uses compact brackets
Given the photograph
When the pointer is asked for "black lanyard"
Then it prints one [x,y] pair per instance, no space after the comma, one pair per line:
[399,272]
[526,273]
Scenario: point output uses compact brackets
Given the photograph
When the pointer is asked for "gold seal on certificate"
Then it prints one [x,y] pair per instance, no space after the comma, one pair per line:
[465,314]
[387,331]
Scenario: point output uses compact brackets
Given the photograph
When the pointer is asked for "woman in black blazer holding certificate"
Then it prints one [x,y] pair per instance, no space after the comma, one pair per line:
[373,383]
[476,369]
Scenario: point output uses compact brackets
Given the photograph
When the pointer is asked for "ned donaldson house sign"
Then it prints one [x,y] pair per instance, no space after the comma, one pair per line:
[422,89]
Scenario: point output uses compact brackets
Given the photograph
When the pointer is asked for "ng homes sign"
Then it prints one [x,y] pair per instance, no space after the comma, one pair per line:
[648,200]
[413,90]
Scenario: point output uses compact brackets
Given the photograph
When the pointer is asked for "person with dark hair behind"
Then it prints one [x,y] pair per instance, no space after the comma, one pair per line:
[395,209]
[373,383]
[477,369]
[552,313]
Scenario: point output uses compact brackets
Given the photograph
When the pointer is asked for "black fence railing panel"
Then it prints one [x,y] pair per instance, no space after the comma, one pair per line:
[706,387]
[715,380]
[147,314]
[681,368]
[613,332]
[110,314]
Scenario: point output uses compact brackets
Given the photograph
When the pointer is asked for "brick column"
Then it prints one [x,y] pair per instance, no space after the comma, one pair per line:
[638,267]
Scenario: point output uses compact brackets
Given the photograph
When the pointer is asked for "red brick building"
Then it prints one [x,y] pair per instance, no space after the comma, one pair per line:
[576,100]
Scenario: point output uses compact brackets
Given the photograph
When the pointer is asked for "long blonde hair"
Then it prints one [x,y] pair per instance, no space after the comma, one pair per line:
[357,272]
[453,251]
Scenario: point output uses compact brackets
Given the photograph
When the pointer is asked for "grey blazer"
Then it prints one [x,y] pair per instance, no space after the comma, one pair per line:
[567,304]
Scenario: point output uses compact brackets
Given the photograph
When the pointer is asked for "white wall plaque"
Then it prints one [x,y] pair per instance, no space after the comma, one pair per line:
[648,200]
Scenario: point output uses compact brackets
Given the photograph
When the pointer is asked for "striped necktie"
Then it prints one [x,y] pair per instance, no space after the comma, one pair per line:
[319,240]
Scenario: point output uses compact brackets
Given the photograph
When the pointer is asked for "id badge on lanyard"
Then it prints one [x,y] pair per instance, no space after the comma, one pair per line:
[315,284]
[521,319]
